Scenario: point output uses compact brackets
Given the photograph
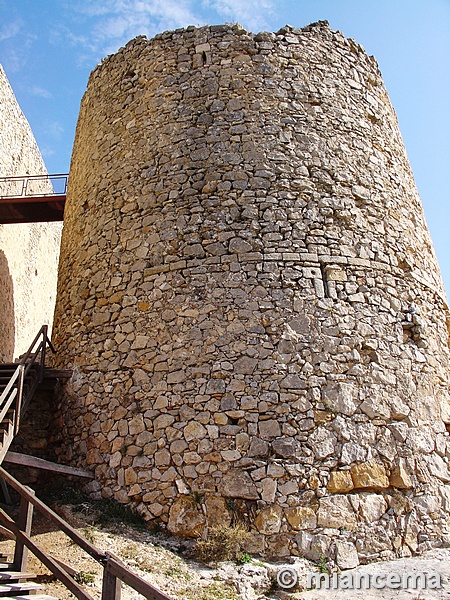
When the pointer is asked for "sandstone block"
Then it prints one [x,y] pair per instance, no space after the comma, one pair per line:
[369,475]
[340,482]
[300,517]
[186,518]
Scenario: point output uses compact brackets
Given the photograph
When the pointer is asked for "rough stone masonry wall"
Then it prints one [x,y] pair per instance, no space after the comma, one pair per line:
[28,252]
[249,297]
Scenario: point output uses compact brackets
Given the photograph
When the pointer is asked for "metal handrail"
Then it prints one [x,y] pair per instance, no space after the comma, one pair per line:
[25,179]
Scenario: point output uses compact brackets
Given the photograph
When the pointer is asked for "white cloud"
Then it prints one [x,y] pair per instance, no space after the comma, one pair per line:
[54,129]
[114,23]
[252,14]
[10,30]
[99,28]
[40,92]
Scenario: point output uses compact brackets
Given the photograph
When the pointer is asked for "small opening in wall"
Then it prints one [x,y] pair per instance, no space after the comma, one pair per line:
[326,291]
[204,57]
[234,421]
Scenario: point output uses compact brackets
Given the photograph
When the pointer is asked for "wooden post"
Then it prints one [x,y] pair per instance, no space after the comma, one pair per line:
[24,522]
[112,586]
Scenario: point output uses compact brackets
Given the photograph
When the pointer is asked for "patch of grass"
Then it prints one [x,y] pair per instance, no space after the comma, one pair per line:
[197,497]
[215,591]
[89,534]
[177,572]
[106,511]
[242,558]
[323,567]
[85,577]
[112,511]
[224,542]
[63,494]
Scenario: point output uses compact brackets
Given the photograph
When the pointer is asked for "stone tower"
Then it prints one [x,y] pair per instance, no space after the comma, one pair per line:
[28,252]
[249,297]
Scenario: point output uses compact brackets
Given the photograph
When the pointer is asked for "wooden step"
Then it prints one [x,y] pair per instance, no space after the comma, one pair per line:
[14,589]
[34,597]
[15,576]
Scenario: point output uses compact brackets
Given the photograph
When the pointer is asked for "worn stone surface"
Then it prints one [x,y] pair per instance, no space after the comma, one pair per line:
[340,482]
[369,475]
[248,294]
[186,518]
[301,517]
[28,252]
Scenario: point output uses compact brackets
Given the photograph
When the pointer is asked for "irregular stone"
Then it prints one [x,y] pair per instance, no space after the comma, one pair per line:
[217,511]
[369,475]
[258,447]
[269,429]
[372,506]
[336,512]
[300,517]
[346,555]
[245,365]
[340,482]
[399,478]
[238,484]
[285,447]
[186,518]
[340,398]
[323,442]
[269,490]
[194,431]
[268,521]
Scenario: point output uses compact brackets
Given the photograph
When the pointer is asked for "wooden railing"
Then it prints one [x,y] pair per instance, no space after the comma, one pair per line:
[33,359]
[114,571]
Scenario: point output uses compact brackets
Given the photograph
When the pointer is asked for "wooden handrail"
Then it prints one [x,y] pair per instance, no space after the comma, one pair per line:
[114,570]
[118,570]
[14,390]
[54,517]
[47,560]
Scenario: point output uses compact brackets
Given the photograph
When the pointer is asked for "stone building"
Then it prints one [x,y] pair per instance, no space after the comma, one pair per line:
[28,252]
[249,297]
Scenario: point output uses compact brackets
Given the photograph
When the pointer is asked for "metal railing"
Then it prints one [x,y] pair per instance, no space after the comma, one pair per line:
[27,186]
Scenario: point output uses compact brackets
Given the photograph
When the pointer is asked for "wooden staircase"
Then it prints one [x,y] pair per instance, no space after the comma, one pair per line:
[18,383]
[15,585]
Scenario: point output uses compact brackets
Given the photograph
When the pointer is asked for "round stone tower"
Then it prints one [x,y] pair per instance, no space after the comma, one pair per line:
[249,298]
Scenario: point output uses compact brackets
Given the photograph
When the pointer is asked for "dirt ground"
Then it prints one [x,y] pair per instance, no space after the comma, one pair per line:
[162,560]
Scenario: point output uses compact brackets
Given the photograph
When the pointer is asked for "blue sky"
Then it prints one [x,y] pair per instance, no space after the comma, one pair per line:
[49,47]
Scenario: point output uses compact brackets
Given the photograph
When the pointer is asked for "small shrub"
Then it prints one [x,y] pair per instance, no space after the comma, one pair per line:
[89,534]
[242,558]
[224,542]
[323,567]
[84,577]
